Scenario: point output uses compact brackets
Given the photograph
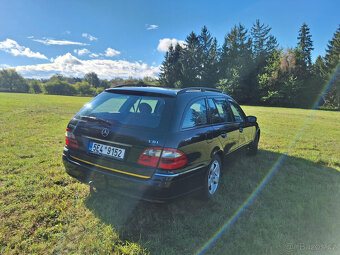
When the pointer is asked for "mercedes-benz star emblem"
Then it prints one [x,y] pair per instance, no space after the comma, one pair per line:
[105,132]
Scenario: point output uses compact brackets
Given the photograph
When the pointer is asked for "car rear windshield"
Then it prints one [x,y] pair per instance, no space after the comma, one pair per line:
[126,109]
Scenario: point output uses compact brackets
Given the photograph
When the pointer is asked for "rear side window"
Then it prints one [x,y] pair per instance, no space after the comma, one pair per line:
[127,110]
[195,115]
[213,112]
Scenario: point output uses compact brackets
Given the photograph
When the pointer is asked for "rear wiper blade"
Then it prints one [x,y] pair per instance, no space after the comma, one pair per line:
[91,118]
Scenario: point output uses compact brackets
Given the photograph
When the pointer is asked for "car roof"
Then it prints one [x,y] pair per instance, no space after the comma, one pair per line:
[172,92]
[153,90]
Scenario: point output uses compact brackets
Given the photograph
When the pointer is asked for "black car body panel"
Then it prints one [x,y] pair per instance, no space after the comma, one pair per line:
[170,122]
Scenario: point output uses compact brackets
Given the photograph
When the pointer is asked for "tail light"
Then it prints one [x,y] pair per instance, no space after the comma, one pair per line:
[150,156]
[70,139]
[172,159]
[166,158]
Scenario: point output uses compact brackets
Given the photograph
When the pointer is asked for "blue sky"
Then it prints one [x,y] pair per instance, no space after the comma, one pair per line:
[126,38]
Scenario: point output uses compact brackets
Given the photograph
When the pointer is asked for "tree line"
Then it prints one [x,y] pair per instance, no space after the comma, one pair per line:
[249,65]
[252,68]
[89,85]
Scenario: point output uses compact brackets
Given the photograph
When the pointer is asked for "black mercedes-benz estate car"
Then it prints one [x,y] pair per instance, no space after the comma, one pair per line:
[157,143]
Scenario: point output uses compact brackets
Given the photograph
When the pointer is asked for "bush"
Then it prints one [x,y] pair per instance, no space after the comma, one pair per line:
[57,87]
[21,86]
[99,90]
[35,87]
[12,81]
[84,89]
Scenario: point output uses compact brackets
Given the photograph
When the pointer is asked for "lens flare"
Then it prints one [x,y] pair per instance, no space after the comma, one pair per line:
[230,221]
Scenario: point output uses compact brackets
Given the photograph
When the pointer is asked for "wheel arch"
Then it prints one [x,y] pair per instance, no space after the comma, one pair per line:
[258,132]
[218,152]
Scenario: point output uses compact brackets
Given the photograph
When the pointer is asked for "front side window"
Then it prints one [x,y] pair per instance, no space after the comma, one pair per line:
[195,115]
[237,112]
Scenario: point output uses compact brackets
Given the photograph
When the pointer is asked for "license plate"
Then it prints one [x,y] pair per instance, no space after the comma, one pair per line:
[106,150]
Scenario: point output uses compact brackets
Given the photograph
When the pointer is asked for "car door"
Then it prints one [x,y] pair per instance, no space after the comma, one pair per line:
[225,129]
[249,129]
[239,120]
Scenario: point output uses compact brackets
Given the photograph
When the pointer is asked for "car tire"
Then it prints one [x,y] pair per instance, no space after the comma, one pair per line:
[212,178]
[253,146]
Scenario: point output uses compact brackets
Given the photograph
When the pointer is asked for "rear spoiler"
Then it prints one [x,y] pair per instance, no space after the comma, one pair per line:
[132,91]
[134,85]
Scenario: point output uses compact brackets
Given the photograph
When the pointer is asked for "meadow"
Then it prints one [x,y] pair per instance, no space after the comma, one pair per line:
[44,211]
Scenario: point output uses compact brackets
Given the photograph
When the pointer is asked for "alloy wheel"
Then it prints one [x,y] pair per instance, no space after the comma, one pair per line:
[213,177]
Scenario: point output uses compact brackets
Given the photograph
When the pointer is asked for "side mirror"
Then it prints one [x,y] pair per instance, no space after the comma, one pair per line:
[251,119]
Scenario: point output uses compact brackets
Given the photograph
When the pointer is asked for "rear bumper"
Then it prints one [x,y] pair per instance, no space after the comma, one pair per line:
[160,187]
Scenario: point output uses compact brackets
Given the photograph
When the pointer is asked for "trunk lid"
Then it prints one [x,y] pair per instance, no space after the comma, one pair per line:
[127,131]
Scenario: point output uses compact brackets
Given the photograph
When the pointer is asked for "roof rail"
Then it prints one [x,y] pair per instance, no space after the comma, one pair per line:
[133,85]
[202,89]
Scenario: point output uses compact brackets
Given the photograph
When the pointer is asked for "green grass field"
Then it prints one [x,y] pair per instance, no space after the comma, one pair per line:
[44,211]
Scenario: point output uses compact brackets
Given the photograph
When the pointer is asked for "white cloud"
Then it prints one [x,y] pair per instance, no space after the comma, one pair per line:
[90,37]
[68,32]
[111,52]
[81,52]
[30,37]
[105,68]
[152,27]
[5,66]
[165,43]
[12,47]
[108,53]
[95,55]
[47,41]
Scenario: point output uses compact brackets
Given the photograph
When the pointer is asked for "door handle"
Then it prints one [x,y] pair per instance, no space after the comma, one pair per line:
[241,130]
[224,134]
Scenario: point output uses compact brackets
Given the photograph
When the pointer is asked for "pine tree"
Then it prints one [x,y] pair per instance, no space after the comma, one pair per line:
[263,46]
[318,78]
[303,62]
[263,43]
[305,45]
[190,59]
[333,51]
[332,69]
[268,80]
[208,59]
[171,67]
[165,73]
[236,65]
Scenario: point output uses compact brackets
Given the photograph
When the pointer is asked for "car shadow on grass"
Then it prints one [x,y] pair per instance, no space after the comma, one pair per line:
[299,205]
